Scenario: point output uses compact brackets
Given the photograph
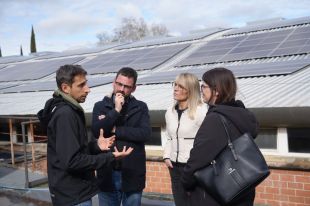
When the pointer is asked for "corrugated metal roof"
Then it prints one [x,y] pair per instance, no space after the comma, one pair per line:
[292,90]
[258,92]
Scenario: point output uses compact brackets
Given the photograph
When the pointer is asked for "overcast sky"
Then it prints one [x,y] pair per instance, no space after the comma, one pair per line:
[67,24]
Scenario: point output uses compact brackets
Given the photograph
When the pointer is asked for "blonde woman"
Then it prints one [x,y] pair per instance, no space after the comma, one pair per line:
[183,120]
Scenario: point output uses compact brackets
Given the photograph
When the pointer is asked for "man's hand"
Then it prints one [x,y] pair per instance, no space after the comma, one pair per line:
[168,163]
[122,154]
[119,101]
[105,143]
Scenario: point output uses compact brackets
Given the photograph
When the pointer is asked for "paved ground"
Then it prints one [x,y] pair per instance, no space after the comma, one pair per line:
[13,192]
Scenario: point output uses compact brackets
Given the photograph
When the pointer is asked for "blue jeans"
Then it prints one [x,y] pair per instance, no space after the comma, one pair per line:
[117,197]
[86,203]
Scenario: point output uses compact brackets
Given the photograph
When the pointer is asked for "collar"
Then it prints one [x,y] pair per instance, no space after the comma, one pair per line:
[68,98]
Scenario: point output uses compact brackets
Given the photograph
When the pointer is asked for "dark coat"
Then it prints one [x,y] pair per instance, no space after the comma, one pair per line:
[70,166]
[132,130]
[210,140]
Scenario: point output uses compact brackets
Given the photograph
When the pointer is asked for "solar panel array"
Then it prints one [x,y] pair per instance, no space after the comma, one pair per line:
[275,24]
[139,59]
[242,70]
[13,59]
[5,85]
[169,40]
[51,85]
[34,70]
[80,51]
[2,66]
[267,44]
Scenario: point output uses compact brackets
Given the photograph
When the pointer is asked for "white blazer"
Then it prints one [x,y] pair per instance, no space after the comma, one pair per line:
[181,134]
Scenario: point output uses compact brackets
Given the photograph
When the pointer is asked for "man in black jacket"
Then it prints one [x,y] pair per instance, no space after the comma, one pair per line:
[127,118]
[71,166]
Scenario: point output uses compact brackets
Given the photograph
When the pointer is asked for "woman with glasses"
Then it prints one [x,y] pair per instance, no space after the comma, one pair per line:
[183,120]
[219,92]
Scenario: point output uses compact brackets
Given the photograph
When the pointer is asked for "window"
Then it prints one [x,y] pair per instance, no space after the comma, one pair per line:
[4,131]
[155,139]
[267,138]
[298,140]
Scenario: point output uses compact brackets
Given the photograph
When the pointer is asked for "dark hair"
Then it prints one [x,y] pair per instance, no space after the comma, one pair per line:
[66,74]
[128,72]
[223,81]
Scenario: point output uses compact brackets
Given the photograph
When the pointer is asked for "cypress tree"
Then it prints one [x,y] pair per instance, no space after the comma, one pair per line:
[21,50]
[33,48]
[0,52]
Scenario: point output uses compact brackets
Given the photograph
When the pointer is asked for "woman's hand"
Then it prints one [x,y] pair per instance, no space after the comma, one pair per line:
[168,163]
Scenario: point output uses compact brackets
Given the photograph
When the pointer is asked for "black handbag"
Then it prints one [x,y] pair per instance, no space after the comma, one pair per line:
[238,169]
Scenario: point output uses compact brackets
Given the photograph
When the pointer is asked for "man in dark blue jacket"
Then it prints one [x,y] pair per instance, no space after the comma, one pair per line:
[127,118]
[71,166]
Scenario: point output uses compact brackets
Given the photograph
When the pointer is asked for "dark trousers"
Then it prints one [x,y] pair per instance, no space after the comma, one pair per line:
[179,194]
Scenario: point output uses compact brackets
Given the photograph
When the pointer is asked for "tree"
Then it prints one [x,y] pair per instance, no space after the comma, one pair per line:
[158,30]
[0,52]
[104,38]
[21,51]
[132,29]
[33,48]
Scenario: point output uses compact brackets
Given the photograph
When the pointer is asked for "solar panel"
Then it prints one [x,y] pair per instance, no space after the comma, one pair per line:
[12,59]
[305,48]
[296,36]
[265,26]
[164,77]
[268,44]
[2,66]
[169,40]
[32,87]
[51,85]
[80,51]
[139,59]
[273,39]
[34,70]
[285,51]
[256,54]
[7,85]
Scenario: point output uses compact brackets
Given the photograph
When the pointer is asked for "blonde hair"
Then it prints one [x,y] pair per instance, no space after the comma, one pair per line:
[191,83]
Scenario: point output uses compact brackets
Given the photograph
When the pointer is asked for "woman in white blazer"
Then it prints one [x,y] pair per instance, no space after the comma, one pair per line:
[183,120]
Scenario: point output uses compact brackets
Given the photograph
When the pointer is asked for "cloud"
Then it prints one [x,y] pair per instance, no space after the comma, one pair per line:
[61,23]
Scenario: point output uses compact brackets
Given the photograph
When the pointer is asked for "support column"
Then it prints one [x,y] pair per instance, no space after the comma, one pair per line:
[11,141]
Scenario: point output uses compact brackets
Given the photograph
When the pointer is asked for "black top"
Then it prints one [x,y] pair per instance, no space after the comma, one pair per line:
[211,139]
[133,129]
[70,163]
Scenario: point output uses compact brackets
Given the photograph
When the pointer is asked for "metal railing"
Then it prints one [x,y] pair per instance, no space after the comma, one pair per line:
[29,184]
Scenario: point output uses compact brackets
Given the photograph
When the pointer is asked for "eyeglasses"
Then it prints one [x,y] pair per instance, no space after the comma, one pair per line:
[123,85]
[202,87]
[174,84]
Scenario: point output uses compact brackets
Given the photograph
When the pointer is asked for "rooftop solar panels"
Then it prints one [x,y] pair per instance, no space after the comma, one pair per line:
[2,66]
[243,70]
[259,45]
[271,25]
[5,85]
[169,40]
[34,70]
[79,51]
[51,85]
[12,59]
[139,59]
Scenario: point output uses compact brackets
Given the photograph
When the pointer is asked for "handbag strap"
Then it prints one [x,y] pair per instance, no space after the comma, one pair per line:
[230,144]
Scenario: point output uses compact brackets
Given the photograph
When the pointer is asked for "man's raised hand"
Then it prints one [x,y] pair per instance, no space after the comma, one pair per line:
[105,143]
[119,155]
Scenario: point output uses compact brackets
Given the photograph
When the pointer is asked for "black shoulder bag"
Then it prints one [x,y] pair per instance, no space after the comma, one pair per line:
[236,170]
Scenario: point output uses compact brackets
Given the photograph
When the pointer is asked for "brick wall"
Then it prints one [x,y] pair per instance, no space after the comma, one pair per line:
[281,188]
